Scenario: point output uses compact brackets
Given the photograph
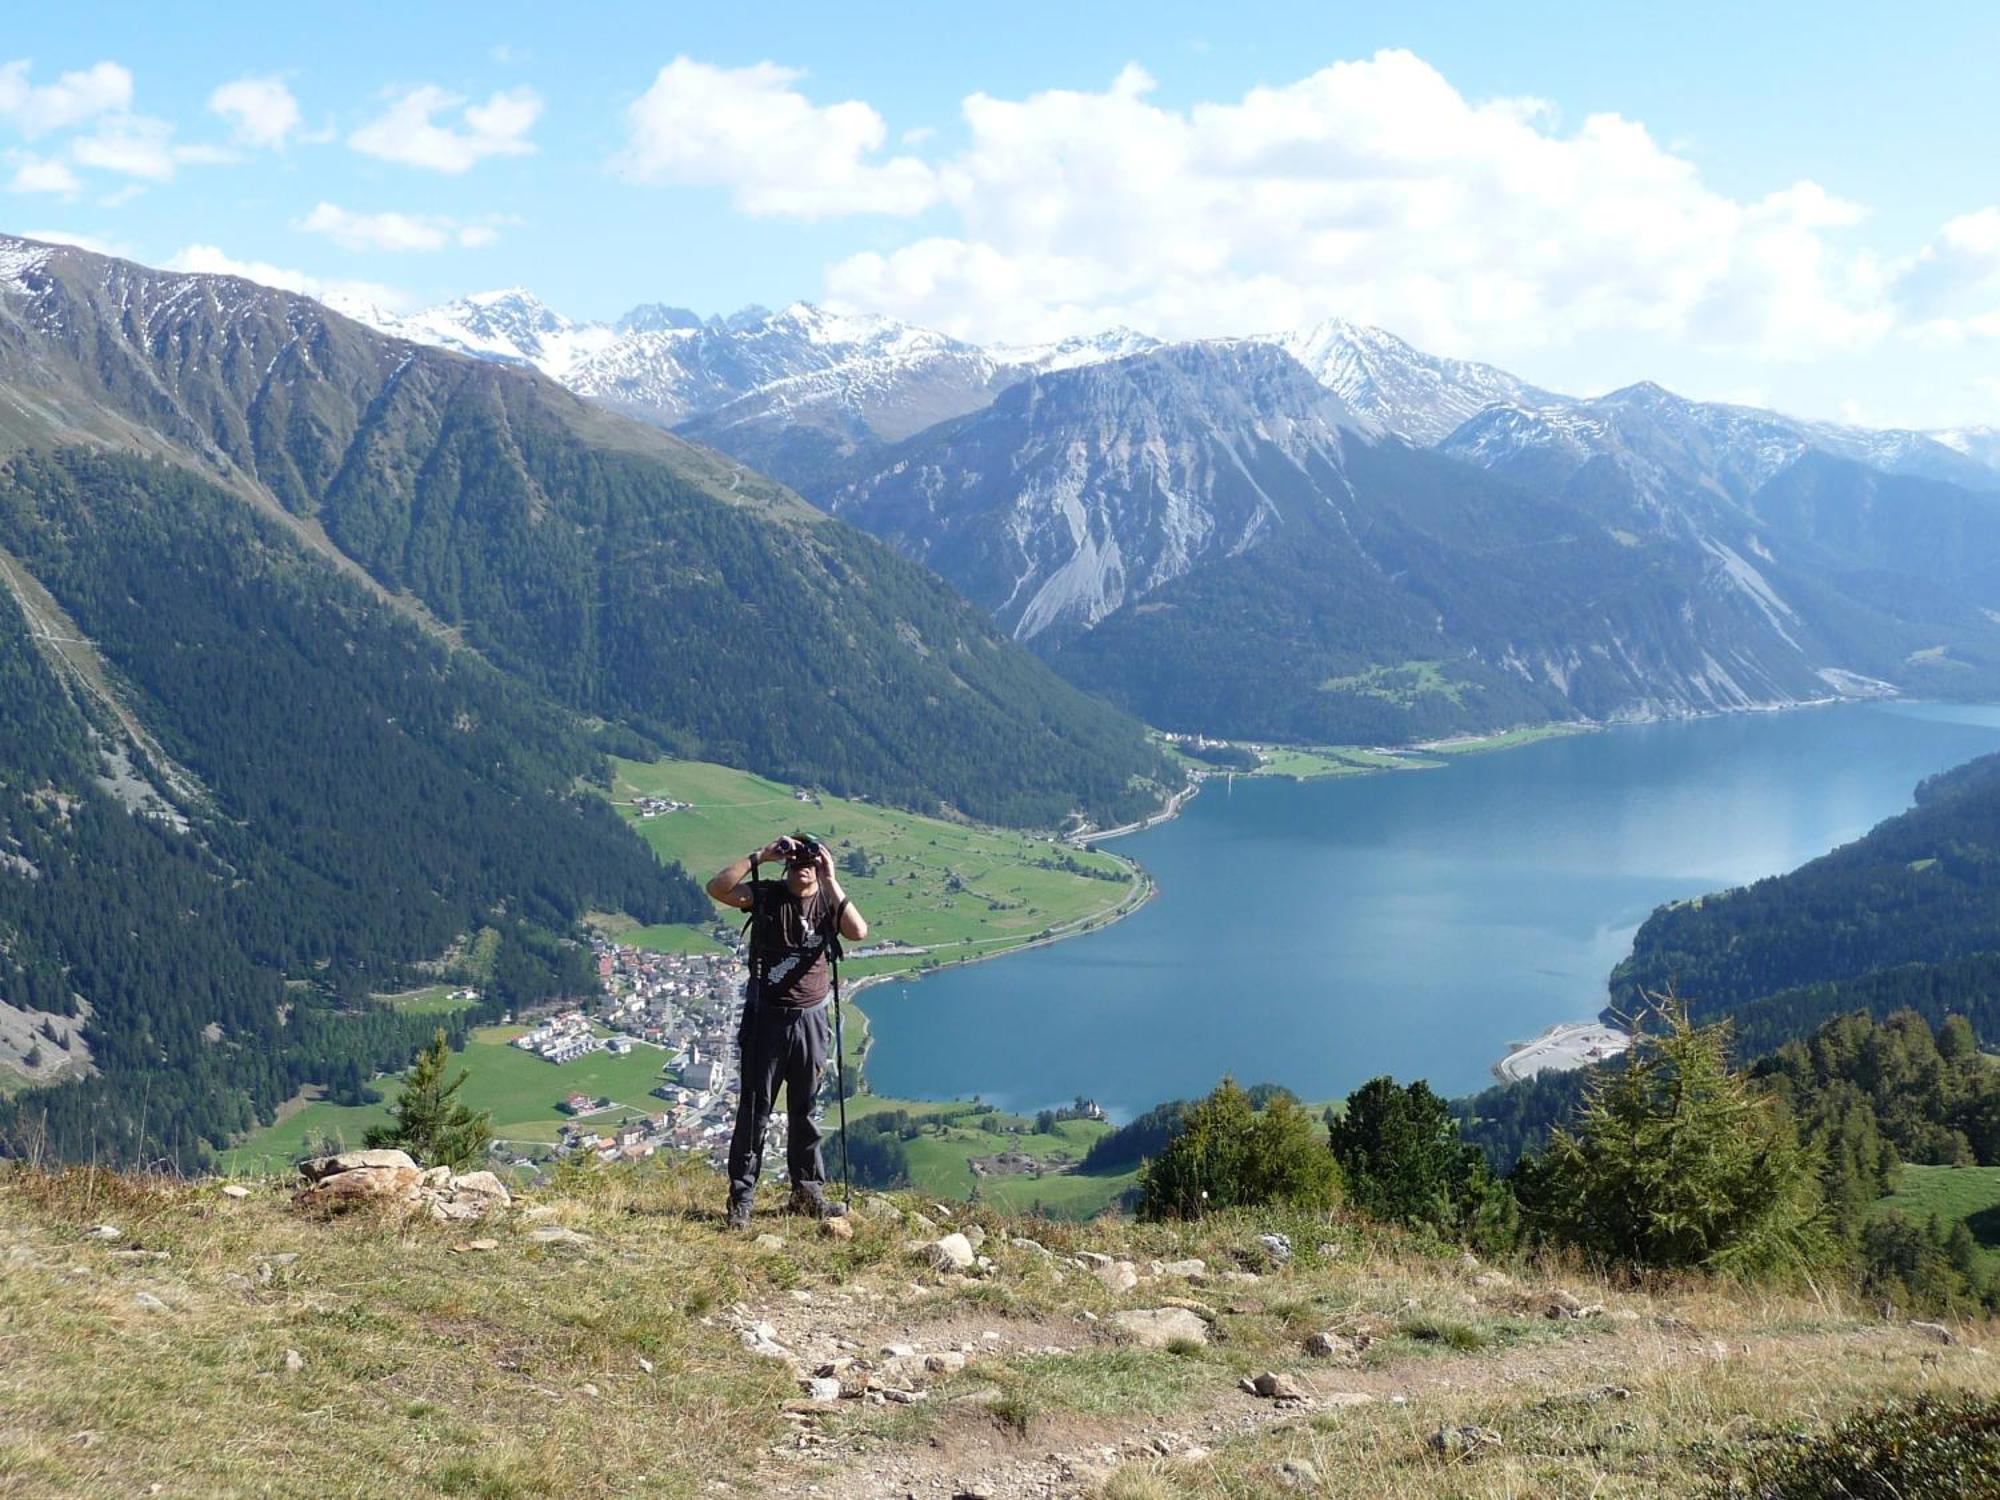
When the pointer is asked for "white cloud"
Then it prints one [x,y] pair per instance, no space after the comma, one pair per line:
[260,111]
[406,132]
[394,231]
[143,147]
[104,88]
[1951,288]
[749,130]
[35,174]
[1371,189]
[211,260]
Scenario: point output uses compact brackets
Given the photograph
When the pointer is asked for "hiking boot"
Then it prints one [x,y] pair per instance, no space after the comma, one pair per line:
[810,1199]
[739,1213]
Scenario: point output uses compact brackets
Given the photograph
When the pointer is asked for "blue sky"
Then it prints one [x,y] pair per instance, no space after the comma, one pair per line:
[1795,205]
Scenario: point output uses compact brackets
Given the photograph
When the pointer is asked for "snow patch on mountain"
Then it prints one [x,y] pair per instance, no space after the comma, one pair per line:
[1399,389]
[18,260]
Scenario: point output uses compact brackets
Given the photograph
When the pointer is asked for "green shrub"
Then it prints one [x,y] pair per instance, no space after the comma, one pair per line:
[1231,1155]
[1925,1448]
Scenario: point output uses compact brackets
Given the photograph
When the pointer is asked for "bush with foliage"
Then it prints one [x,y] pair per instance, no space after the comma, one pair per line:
[1230,1154]
[430,1121]
[1930,1447]
[1676,1161]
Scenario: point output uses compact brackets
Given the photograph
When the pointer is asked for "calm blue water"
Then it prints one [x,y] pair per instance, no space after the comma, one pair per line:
[1316,934]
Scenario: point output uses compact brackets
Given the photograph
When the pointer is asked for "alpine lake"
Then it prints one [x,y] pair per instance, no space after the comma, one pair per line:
[1411,922]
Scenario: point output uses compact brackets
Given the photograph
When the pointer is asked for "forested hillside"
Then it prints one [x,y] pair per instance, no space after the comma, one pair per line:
[314,642]
[628,574]
[327,797]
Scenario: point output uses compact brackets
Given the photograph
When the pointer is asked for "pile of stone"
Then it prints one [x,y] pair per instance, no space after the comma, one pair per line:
[393,1180]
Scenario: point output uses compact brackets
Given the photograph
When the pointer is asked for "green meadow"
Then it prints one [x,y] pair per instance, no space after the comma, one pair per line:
[1970,1195]
[523,1092]
[956,890]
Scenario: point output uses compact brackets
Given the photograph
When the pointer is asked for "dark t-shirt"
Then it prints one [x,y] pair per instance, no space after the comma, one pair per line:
[790,942]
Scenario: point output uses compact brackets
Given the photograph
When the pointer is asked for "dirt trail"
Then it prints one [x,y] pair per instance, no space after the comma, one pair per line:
[958,1444]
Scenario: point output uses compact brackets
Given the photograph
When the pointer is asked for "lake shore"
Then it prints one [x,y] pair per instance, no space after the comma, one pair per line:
[1560,1049]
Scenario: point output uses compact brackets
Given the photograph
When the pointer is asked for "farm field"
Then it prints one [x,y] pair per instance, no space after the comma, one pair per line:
[522,1091]
[957,1132]
[1309,762]
[955,890]
[1971,1194]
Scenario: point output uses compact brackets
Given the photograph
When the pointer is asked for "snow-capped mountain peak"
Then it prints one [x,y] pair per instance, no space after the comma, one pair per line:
[1397,388]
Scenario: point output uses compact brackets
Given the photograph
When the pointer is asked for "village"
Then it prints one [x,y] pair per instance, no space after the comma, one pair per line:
[684,1005]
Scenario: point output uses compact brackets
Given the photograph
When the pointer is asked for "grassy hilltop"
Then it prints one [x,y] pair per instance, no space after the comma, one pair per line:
[591,1342]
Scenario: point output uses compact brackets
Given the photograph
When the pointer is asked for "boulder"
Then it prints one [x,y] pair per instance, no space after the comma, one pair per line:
[236,1190]
[768,1242]
[1274,1387]
[1277,1248]
[1092,1260]
[837,1229]
[479,1185]
[1327,1344]
[1935,1331]
[557,1236]
[363,1185]
[1157,1327]
[354,1161]
[1184,1268]
[952,1252]
[1118,1277]
[1299,1474]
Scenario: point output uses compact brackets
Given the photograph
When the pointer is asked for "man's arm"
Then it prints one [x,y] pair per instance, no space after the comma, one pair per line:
[731,884]
[853,926]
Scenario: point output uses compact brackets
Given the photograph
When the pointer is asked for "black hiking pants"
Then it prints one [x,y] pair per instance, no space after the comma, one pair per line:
[778,1045]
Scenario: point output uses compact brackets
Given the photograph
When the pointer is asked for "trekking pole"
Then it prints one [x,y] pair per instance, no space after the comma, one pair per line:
[840,1070]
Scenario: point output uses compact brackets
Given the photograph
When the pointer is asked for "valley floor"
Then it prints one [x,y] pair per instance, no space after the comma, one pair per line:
[608,1339]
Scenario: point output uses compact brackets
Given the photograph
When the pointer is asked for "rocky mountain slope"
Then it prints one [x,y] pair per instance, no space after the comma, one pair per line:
[1211,537]
[1400,391]
[608,1338]
[858,380]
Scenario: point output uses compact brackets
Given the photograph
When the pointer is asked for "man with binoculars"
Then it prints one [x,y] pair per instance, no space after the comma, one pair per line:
[784,1037]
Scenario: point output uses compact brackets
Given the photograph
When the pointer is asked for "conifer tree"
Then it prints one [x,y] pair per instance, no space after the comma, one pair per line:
[1403,1161]
[430,1121]
[1676,1161]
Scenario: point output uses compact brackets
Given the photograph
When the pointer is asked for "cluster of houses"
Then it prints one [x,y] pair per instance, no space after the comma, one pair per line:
[564,1038]
[687,1005]
[653,807]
